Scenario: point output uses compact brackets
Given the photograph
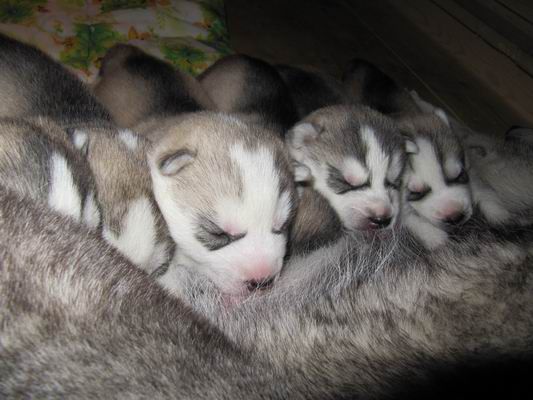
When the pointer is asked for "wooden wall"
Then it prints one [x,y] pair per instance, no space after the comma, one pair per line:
[471,57]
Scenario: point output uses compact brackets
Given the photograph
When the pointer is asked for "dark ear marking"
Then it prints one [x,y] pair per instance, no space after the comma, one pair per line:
[170,164]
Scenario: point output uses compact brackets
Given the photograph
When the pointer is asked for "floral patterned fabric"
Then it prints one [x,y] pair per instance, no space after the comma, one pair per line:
[191,34]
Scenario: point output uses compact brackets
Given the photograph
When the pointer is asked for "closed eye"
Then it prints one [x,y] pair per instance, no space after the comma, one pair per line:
[461,179]
[339,185]
[344,186]
[213,237]
[417,195]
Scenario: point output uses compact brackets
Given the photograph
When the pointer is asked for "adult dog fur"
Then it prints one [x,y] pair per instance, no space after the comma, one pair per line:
[361,319]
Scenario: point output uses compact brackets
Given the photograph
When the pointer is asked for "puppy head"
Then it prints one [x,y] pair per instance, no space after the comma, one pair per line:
[355,157]
[436,182]
[226,191]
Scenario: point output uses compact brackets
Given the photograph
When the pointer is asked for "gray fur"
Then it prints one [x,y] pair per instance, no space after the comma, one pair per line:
[32,84]
[252,89]
[338,130]
[362,319]
[501,178]
[315,225]
[135,86]
[27,151]
[312,89]
[366,84]
[123,178]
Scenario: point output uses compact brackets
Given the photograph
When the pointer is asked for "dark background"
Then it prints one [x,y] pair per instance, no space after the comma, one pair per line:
[473,58]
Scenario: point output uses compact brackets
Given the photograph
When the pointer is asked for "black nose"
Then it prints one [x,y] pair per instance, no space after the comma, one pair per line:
[455,219]
[253,284]
[380,222]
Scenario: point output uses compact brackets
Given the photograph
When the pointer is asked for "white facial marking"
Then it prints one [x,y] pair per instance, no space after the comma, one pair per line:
[444,202]
[129,138]
[259,253]
[63,196]
[354,173]
[361,208]
[137,238]
[91,213]
[452,168]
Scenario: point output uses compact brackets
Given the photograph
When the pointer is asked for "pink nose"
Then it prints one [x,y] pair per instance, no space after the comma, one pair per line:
[253,284]
[259,277]
[380,217]
[452,214]
[455,218]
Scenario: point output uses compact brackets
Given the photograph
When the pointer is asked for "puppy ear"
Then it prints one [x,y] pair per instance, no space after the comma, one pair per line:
[423,105]
[410,146]
[300,136]
[170,164]
[80,139]
[439,112]
[519,133]
[301,172]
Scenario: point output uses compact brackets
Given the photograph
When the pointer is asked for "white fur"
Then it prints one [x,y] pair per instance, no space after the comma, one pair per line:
[431,236]
[444,200]
[356,207]
[129,138]
[63,196]
[80,139]
[137,238]
[259,254]
[91,213]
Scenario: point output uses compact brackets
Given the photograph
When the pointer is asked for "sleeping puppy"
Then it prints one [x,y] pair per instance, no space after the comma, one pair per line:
[33,85]
[250,89]
[135,86]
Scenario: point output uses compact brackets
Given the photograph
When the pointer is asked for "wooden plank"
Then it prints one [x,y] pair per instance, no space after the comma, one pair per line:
[514,45]
[415,42]
[523,8]
[511,26]
[312,32]
[510,89]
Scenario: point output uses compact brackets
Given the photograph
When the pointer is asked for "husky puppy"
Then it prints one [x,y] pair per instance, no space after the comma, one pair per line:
[226,191]
[37,161]
[252,89]
[367,319]
[436,186]
[501,178]
[134,86]
[519,133]
[355,157]
[32,84]
[366,84]
[312,89]
[132,221]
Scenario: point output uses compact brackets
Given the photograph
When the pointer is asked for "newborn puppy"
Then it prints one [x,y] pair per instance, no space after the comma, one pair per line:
[355,157]
[135,86]
[226,191]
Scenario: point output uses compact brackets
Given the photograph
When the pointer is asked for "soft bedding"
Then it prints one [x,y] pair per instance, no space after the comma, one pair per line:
[189,34]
